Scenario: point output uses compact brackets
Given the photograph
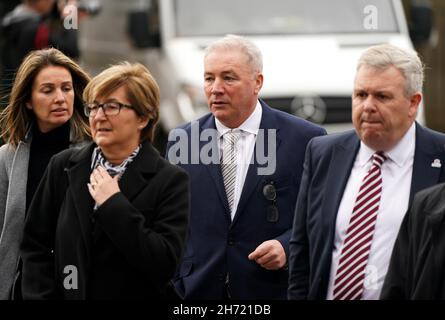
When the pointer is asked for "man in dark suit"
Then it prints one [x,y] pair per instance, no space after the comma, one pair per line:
[356,186]
[241,209]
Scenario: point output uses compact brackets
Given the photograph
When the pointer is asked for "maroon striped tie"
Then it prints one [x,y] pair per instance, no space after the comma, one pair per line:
[350,275]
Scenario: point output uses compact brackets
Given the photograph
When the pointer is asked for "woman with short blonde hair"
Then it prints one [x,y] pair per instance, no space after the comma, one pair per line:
[115,211]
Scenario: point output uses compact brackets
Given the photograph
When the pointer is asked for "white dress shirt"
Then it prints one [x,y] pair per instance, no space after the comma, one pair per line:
[244,148]
[396,184]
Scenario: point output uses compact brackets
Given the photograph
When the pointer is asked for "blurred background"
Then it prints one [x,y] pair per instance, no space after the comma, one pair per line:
[310,48]
[432,51]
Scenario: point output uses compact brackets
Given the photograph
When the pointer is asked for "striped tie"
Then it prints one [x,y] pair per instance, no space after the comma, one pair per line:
[350,275]
[228,165]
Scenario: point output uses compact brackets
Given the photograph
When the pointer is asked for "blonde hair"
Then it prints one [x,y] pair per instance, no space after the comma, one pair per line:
[141,88]
[16,119]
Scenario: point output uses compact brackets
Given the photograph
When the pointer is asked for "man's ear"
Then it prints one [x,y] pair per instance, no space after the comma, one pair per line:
[415,104]
[258,82]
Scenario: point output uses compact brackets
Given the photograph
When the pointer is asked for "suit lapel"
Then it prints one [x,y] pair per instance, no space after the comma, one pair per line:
[214,170]
[343,157]
[268,121]
[79,176]
[426,152]
[215,173]
[134,178]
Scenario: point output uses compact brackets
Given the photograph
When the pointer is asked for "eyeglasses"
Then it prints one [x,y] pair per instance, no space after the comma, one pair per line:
[109,108]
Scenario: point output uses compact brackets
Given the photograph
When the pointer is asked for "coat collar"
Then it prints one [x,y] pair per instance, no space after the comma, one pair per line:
[340,166]
[146,161]
[343,156]
[132,182]
[78,171]
[436,214]
[427,151]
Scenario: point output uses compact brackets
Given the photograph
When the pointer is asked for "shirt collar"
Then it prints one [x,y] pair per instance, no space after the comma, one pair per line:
[251,125]
[400,154]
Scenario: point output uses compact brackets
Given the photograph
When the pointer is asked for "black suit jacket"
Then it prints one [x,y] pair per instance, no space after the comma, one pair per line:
[327,167]
[129,248]
[417,263]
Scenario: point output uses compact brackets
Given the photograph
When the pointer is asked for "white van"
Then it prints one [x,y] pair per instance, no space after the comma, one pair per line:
[310,48]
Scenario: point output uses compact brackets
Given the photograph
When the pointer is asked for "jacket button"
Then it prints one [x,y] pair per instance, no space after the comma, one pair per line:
[231,242]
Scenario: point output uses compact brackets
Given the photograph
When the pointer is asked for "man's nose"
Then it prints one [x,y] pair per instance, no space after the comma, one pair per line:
[369,104]
[217,86]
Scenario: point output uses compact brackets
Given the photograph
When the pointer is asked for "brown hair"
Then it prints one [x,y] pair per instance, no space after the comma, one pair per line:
[141,88]
[16,118]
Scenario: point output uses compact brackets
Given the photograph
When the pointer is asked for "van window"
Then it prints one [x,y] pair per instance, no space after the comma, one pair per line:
[265,17]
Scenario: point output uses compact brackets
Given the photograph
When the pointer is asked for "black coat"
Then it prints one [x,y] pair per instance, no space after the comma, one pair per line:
[417,265]
[128,249]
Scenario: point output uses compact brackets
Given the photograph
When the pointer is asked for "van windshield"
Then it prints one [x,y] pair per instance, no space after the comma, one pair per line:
[266,17]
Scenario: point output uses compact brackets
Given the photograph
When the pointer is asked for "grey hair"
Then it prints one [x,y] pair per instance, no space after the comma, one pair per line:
[407,62]
[235,42]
